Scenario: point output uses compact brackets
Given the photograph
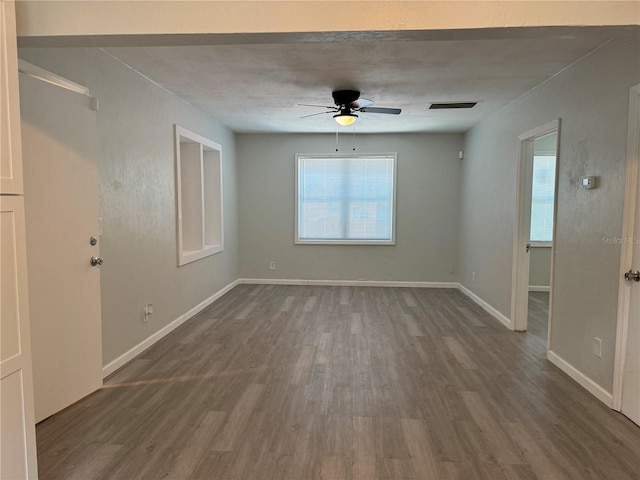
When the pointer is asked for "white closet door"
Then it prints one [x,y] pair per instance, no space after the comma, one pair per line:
[17,425]
[10,159]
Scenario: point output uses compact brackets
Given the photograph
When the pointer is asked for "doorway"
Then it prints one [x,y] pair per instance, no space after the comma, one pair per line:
[534,230]
[626,378]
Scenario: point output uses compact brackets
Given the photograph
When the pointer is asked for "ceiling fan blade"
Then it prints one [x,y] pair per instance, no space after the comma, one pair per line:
[391,111]
[314,114]
[361,102]
[317,106]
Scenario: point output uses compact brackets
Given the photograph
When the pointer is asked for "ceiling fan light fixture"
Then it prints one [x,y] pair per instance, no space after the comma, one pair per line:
[345,119]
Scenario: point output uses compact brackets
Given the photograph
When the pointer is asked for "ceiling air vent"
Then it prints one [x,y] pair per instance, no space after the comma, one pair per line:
[451,105]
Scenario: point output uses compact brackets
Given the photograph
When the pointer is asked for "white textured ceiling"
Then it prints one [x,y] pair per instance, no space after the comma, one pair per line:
[255,87]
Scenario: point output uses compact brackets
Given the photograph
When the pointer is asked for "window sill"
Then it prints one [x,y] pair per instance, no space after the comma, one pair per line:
[188,256]
[343,242]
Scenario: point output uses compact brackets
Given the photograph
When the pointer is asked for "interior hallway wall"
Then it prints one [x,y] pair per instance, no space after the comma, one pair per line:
[591,98]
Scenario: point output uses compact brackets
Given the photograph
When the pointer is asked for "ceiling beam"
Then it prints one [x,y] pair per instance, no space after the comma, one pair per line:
[87,19]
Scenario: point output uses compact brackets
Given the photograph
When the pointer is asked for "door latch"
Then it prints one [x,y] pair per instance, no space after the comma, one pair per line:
[632,275]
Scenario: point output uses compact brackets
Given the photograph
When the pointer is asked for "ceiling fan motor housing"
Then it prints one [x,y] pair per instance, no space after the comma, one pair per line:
[345,97]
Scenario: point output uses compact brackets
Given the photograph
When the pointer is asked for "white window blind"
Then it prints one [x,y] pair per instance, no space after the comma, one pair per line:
[345,199]
[542,198]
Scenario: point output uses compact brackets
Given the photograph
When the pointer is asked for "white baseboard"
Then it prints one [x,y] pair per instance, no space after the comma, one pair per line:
[539,288]
[153,338]
[347,283]
[584,381]
[499,316]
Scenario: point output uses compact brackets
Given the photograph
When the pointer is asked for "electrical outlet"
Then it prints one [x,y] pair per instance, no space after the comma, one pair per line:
[146,313]
[272,265]
[473,276]
[597,347]
[452,269]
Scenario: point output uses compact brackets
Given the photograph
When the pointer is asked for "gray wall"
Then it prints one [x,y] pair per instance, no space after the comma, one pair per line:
[591,99]
[427,210]
[137,197]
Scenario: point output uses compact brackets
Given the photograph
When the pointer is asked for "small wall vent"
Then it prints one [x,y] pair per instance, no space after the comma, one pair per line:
[451,105]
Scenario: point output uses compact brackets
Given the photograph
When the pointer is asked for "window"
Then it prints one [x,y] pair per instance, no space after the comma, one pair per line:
[198,196]
[543,188]
[347,199]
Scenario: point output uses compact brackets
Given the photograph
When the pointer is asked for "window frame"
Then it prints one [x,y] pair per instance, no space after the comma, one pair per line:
[299,241]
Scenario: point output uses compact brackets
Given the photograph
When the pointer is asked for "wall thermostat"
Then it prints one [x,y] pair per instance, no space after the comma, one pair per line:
[588,182]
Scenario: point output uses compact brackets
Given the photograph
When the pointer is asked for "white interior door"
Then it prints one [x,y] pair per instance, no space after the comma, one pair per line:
[631,372]
[630,404]
[61,201]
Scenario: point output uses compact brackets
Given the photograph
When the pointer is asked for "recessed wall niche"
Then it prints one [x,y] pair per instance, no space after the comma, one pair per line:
[198,196]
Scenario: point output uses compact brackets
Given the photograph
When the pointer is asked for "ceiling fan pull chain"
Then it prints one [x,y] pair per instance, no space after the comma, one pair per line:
[336,139]
[354,137]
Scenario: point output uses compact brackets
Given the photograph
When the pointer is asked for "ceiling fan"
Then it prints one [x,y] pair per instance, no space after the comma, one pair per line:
[347,104]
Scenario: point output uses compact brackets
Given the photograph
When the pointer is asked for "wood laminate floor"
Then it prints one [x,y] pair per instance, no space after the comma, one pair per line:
[292,382]
[538,320]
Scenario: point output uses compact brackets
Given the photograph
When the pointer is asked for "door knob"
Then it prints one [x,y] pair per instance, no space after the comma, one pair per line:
[632,275]
[96,261]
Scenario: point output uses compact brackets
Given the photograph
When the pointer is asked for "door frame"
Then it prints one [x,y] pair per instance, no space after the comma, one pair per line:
[628,219]
[521,258]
